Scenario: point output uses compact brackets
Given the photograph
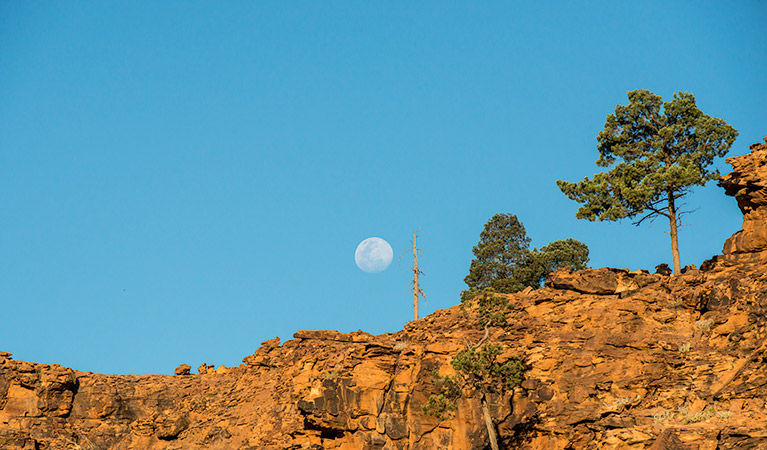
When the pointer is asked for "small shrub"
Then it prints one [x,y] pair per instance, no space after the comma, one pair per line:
[684,348]
[330,374]
[617,403]
[700,416]
[479,366]
[491,306]
[661,416]
[442,405]
[439,406]
[704,324]
[623,401]
[467,295]
[723,415]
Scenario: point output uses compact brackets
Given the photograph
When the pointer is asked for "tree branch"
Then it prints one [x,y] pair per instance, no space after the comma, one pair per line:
[480,342]
[484,338]
[654,213]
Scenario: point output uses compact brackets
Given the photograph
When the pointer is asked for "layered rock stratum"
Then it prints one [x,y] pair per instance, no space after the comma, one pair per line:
[614,360]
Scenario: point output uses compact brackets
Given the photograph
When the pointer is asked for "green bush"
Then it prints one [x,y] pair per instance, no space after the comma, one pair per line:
[442,405]
[480,368]
[504,263]
[491,307]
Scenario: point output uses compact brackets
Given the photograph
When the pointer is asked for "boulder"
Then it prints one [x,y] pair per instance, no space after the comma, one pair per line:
[588,281]
[663,269]
[183,369]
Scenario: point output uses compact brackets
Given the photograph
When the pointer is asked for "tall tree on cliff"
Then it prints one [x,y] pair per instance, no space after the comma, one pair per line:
[657,151]
[504,263]
[502,248]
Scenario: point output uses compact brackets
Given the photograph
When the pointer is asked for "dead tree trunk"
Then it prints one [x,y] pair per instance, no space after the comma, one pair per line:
[489,424]
[417,291]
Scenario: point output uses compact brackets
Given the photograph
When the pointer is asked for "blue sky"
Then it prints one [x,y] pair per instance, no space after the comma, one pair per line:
[180,181]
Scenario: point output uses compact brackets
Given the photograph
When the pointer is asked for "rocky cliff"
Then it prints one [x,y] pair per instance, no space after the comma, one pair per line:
[748,184]
[614,359]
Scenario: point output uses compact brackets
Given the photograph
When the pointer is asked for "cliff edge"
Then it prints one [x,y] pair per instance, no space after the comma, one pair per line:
[615,360]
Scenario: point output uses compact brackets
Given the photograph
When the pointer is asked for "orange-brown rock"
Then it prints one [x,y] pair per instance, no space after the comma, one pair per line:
[605,281]
[183,369]
[615,360]
[678,359]
[748,184]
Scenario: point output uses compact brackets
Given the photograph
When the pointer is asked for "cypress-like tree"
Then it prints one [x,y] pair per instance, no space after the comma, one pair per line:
[656,153]
[503,246]
[504,263]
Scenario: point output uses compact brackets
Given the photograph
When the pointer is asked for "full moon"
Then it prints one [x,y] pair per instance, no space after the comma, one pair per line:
[373,255]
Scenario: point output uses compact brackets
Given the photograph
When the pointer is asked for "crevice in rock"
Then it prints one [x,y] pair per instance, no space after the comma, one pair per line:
[325,432]
[388,388]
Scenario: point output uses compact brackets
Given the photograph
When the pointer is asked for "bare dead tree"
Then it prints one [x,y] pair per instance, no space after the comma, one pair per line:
[417,291]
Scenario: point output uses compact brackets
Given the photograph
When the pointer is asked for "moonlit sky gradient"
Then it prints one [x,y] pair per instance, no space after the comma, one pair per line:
[180,181]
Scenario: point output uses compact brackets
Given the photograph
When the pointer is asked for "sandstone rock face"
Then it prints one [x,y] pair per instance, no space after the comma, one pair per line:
[748,184]
[615,360]
[605,281]
[673,362]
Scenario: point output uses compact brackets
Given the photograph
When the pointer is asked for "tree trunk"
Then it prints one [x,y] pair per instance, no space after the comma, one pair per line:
[416,289]
[489,424]
[673,226]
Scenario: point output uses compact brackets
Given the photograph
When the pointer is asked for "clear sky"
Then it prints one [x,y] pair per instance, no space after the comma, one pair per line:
[180,181]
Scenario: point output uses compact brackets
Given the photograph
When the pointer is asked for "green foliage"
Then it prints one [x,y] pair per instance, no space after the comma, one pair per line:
[559,254]
[480,369]
[504,263]
[442,405]
[491,306]
[503,246]
[657,151]
[701,416]
[477,368]
[439,406]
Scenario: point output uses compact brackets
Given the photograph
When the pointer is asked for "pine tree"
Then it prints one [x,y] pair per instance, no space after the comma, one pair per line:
[503,246]
[504,262]
[656,153]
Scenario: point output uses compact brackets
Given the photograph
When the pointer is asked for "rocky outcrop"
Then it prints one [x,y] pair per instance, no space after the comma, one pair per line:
[614,360]
[183,369]
[676,359]
[748,184]
[605,281]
